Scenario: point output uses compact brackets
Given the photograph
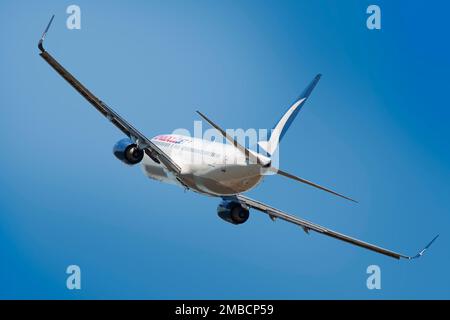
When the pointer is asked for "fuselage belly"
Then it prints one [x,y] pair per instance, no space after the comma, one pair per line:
[210,168]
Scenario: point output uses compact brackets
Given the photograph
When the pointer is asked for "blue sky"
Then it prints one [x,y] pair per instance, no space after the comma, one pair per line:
[376,128]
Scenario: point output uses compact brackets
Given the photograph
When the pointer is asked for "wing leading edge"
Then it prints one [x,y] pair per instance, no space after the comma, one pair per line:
[142,141]
[307,226]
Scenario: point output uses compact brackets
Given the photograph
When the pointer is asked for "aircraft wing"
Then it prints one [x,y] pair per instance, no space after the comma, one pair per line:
[141,141]
[307,226]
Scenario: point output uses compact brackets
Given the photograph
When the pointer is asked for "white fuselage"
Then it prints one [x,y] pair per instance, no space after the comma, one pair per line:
[207,167]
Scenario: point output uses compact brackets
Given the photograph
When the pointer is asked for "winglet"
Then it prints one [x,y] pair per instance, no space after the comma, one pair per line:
[41,41]
[421,253]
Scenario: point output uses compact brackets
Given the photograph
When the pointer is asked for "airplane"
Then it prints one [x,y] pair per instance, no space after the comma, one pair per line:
[167,158]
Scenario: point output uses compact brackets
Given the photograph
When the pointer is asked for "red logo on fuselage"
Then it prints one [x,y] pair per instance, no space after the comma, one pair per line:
[170,139]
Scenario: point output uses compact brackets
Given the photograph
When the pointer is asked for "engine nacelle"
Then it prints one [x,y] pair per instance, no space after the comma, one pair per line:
[128,152]
[232,212]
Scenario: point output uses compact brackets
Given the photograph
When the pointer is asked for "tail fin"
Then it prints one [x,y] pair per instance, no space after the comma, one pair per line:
[282,126]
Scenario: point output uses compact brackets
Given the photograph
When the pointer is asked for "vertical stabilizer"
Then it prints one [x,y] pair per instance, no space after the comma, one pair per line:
[282,126]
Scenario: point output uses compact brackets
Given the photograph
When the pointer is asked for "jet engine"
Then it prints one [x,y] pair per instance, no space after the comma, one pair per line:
[128,152]
[232,212]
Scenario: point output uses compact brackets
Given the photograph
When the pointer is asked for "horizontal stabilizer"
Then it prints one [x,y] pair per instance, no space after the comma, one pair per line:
[291,176]
[249,154]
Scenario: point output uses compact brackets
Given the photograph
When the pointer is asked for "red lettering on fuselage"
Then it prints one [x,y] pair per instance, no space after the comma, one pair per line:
[169,139]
